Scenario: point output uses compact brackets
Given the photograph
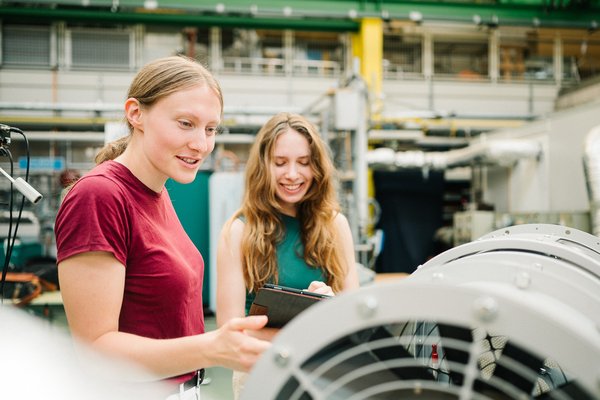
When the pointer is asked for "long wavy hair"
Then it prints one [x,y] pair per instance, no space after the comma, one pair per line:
[156,80]
[261,210]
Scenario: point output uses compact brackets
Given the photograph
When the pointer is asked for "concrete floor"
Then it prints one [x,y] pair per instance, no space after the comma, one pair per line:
[219,387]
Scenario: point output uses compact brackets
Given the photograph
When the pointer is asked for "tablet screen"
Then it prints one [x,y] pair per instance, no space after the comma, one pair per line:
[280,303]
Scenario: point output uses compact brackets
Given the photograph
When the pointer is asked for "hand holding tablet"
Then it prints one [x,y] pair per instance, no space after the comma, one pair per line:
[280,303]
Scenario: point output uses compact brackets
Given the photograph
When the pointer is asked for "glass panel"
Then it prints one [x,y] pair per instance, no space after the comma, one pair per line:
[318,53]
[26,45]
[526,56]
[461,58]
[252,51]
[402,54]
[95,48]
[581,57]
[202,48]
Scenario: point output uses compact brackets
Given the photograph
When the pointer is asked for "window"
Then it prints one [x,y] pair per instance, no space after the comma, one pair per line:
[100,48]
[581,57]
[524,54]
[202,50]
[318,53]
[26,45]
[402,54]
[252,51]
[462,58]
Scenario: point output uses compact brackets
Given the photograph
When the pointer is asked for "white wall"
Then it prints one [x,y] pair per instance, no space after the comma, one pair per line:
[555,182]
[473,99]
[470,98]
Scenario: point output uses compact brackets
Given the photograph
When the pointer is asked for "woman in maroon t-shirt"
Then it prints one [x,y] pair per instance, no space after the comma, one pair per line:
[131,279]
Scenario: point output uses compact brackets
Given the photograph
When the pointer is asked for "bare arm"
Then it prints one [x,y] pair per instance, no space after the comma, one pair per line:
[346,243]
[92,287]
[231,288]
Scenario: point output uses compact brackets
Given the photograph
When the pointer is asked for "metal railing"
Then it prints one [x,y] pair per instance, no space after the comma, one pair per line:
[277,66]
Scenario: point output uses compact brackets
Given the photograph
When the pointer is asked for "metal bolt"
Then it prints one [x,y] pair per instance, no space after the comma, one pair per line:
[523,280]
[418,388]
[282,357]
[437,276]
[367,307]
[486,308]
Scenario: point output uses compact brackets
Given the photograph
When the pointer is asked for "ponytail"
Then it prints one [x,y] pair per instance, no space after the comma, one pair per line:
[112,150]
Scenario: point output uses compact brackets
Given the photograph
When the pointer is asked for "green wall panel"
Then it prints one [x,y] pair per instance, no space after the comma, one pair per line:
[191,205]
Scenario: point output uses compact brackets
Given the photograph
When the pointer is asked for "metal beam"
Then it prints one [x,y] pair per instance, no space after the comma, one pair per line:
[328,15]
[174,18]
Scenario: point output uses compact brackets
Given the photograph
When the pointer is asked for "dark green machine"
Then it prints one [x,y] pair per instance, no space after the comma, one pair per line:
[192,208]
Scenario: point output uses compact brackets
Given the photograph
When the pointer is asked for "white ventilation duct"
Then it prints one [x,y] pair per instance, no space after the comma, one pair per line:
[513,315]
[499,152]
[591,161]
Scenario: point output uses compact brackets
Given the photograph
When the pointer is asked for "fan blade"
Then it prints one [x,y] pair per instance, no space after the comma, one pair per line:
[398,352]
[569,390]
[452,354]
[524,383]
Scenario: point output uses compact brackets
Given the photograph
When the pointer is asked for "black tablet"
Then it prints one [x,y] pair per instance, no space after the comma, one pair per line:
[281,303]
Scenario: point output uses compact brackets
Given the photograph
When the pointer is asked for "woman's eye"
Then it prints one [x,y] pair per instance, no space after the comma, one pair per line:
[212,131]
[185,124]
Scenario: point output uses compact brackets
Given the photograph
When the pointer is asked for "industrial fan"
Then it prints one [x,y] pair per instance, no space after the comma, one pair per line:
[513,315]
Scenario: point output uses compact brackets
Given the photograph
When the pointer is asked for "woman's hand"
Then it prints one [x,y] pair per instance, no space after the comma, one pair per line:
[264,334]
[236,345]
[321,288]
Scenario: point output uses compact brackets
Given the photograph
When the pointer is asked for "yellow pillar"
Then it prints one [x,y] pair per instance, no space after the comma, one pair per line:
[367,47]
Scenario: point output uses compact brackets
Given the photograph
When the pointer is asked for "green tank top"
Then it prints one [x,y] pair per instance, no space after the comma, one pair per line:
[293,270]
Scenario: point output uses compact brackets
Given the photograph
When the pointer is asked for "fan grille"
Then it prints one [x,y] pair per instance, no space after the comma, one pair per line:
[394,361]
[513,315]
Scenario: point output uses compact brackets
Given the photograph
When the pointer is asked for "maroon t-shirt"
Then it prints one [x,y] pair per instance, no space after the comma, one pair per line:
[110,210]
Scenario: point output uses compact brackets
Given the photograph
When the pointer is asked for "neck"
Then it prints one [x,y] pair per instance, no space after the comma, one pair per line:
[137,166]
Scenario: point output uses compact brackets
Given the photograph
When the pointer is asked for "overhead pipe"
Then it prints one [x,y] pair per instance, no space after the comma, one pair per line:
[498,151]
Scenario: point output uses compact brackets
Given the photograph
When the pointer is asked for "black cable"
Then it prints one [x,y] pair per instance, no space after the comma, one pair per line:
[26,180]
[7,250]
[10,242]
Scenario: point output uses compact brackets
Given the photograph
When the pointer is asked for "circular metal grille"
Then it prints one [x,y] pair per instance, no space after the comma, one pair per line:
[514,315]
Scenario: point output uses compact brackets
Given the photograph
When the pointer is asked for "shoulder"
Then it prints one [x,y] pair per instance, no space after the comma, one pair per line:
[340,221]
[233,228]
[96,189]
[237,225]
[105,181]
[342,227]
[96,192]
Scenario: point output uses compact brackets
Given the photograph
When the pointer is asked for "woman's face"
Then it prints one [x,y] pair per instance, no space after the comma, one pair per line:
[291,169]
[178,133]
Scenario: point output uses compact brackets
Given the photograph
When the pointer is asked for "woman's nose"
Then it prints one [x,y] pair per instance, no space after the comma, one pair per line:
[199,142]
[292,171]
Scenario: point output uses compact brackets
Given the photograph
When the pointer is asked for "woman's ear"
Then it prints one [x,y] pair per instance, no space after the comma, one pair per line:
[133,113]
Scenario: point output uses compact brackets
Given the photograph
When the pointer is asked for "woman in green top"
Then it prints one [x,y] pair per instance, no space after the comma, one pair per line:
[289,229]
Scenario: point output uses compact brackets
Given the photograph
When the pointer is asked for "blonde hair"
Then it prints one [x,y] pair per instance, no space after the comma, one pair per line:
[156,80]
[262,213]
